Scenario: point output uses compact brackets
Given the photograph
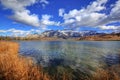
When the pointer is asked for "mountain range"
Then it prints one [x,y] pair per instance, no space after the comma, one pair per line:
[64,34]
[51,35]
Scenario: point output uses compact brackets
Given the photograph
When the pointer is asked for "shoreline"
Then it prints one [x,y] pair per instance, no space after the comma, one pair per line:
[58,40]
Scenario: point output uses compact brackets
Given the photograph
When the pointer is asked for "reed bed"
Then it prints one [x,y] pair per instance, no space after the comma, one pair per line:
[16,67]
[108,74]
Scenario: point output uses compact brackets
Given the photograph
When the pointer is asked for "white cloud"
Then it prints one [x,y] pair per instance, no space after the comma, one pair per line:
[44,3]
[46,20]
[2,31]
[97,6]
[91,16]
[115,12]
[114,15]
[26,18]
[21,13]
[88,16]
[61,12]
[109,27]
[14,32]
[116,9]
[17,5]
[17,32]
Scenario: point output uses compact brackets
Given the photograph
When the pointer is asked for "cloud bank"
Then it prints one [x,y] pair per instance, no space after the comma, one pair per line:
[17,32]
[91,16]
[22,15]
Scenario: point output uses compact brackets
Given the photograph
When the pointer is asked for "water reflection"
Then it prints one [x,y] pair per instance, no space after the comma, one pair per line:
[77,55]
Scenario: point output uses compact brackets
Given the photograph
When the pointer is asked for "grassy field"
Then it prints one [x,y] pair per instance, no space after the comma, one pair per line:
[16,67]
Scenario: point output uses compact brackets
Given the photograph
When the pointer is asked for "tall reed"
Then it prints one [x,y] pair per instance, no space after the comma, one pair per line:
[16,67]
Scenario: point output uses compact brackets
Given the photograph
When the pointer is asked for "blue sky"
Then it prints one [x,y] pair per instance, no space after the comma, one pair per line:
[24,17]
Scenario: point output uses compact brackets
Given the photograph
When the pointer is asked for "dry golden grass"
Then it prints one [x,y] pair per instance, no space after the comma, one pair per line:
[107,73]
[15,67]
[8,47]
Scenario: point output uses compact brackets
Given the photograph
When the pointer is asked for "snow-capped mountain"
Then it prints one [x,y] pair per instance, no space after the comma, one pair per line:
[67,33]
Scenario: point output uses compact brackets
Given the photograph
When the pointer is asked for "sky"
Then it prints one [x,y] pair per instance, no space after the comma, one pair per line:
[24,17]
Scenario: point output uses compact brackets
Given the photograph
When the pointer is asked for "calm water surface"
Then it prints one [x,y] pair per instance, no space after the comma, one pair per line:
[76,54]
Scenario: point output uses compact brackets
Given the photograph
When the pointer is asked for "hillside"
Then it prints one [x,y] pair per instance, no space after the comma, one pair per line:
[105,37]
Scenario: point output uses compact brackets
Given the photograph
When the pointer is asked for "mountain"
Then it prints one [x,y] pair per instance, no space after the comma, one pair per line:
[51,35]
[67,33]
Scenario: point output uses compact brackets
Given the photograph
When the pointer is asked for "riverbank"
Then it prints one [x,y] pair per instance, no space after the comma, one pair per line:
[16,67]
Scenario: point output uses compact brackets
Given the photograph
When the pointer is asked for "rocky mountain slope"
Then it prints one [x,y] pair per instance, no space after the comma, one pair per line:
[65,34]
